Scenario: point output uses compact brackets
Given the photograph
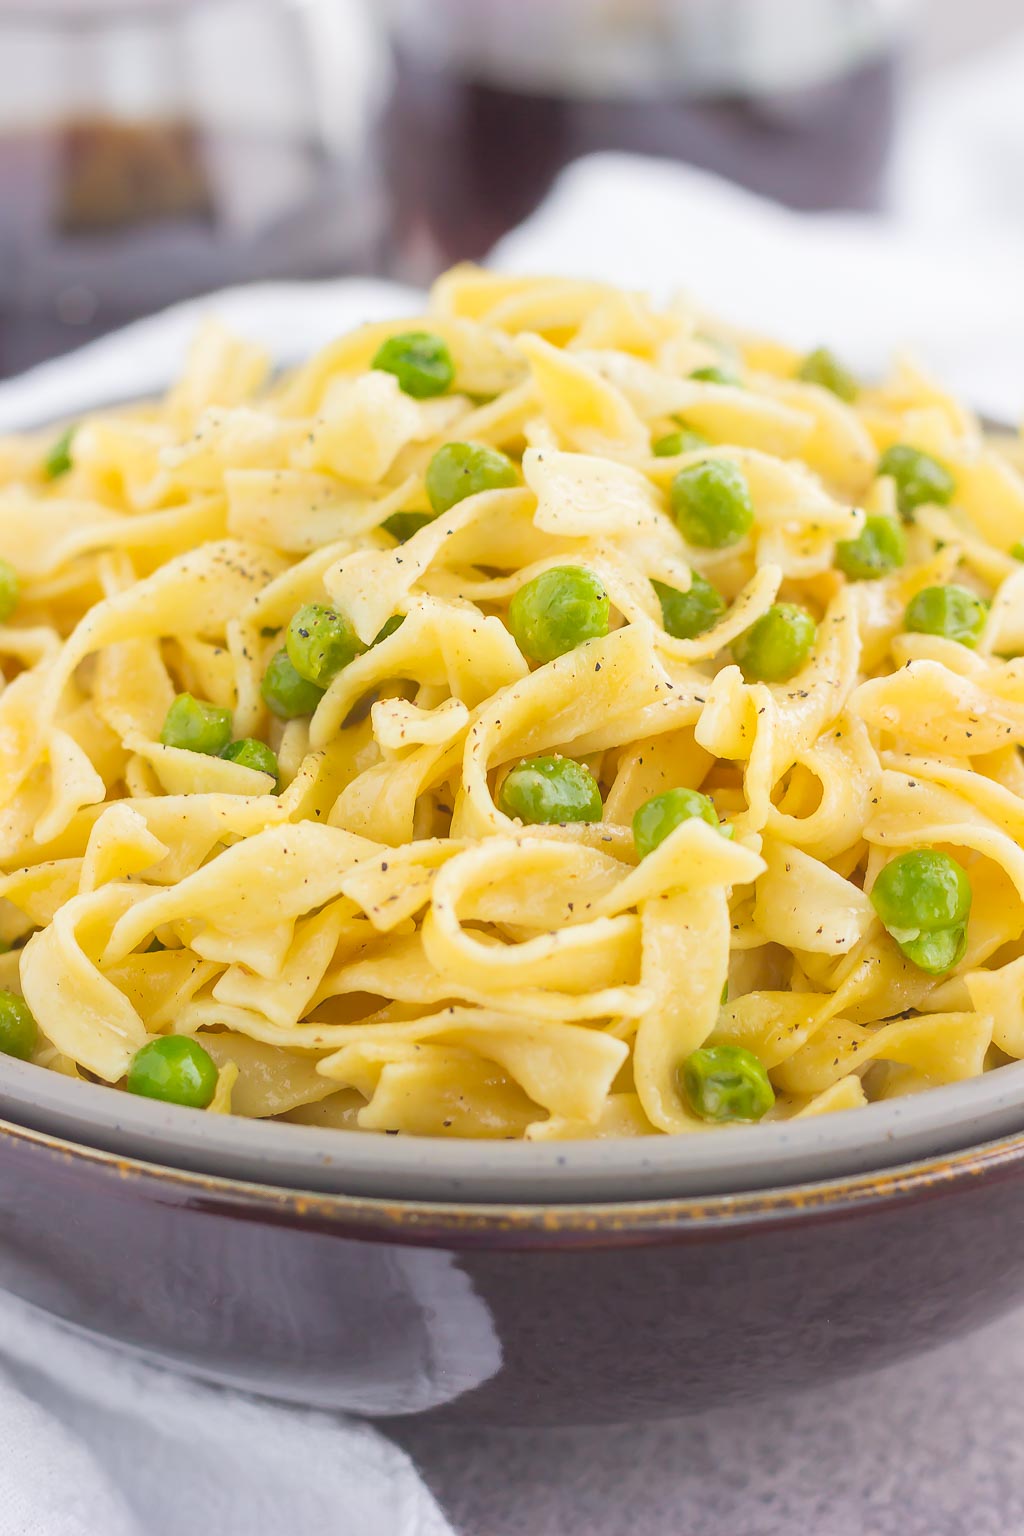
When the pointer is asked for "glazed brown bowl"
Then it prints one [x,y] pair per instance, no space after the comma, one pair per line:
[511,1313]
[501,1282]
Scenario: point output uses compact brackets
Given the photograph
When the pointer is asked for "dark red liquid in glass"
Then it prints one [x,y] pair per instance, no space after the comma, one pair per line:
[467,159]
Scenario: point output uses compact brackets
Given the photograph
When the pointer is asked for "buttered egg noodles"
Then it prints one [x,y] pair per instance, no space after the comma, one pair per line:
[394,862]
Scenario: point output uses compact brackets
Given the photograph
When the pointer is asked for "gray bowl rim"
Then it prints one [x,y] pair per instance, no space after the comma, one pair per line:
[727,1161]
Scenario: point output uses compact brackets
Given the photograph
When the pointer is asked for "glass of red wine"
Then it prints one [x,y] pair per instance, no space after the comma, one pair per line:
[793,98]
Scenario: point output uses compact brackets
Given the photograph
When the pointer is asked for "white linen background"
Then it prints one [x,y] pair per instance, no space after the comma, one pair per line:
[95,1445]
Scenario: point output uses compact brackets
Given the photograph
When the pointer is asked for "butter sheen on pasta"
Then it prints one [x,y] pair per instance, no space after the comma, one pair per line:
[372,943]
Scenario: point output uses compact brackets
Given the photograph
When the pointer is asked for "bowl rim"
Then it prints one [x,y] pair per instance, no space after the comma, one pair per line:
[500,1224]
[731,1160]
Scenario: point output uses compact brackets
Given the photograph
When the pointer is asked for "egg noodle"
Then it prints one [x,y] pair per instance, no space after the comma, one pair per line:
[371,942]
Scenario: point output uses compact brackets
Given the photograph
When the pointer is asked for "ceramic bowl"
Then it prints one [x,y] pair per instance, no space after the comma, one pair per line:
[724,1161]
[511,1313]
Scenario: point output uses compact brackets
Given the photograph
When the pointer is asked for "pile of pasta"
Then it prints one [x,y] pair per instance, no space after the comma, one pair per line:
[370,942]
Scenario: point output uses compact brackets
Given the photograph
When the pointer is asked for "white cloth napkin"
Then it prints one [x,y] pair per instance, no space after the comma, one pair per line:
[95,1445]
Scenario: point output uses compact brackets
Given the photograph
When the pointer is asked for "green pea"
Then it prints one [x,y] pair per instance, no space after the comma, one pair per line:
[10,590]
[923,898]
[58,461]
[543,791]
[320,643]
[557,611]
[686,615]
[685,440]
[727,1082]
[711,503]
[252,754]
[879,548]
[459,470]
[389,627]
[922,889]
[919,478]
[195,726]
[402,525]
[660,815]
[823,367]
[953,612]
[285,692]
[937,952]
[775,648]
[174,1068]
[1017,550]
[420,361]
[18,1029]
[715,375]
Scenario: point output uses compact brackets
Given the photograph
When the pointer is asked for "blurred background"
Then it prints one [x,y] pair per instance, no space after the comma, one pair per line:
[152,150]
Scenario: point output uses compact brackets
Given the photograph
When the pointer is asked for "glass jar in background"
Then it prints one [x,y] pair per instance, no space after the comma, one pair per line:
[155,149]
[793,98]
